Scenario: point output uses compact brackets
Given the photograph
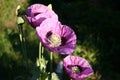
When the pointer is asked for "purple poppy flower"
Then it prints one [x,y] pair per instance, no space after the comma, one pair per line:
[36,13]
[56,37]
[77,67]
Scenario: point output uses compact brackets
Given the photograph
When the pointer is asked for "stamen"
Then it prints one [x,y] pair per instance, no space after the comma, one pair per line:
[54,40]
[75,69]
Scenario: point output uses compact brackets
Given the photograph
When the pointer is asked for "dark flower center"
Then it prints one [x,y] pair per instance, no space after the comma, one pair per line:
[35,14]
[53,39]
[75,69]
[63,41]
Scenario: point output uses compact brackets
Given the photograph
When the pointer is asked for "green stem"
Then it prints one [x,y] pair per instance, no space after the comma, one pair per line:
[20,22]
[22,40]
[40,46]
[42,50]
[51,64]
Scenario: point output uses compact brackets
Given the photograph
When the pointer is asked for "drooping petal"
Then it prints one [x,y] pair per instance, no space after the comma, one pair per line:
[37,13]
[85,71]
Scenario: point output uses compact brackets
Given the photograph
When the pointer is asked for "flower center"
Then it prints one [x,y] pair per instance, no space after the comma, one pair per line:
[54,40]
[75,69]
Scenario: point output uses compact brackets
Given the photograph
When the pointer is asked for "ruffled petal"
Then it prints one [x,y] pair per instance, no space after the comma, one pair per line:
[80,62]
[55,27]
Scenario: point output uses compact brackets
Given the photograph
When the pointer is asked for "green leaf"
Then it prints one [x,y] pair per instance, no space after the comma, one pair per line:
[20,20]
[50,6]
[18,7]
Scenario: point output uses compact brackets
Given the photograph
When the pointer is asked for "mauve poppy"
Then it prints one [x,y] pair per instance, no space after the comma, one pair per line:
[77,67]
[37,13]
[56,37]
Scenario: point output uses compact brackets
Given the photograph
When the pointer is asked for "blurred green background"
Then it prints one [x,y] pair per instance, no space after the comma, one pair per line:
[95,22]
